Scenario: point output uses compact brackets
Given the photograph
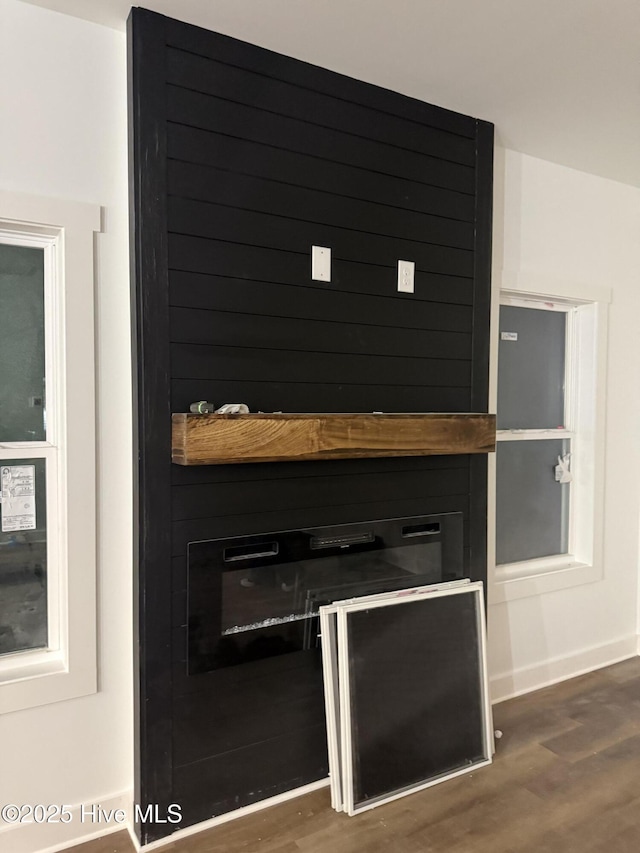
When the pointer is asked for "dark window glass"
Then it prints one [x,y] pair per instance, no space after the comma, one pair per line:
[532,509]
[531,368]
[23,555]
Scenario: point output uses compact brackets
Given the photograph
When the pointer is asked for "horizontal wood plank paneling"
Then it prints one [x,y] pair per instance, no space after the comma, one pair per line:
[253,89]
[200,501]
[263,396]
[245,157]
[194,326]
[274,65]
[265,472]
[280,764]
[372,300]
[275,198]
[208,113]
[264,156]
[252,713]
[248,228]
[380,506]
[198,361]
[237,260]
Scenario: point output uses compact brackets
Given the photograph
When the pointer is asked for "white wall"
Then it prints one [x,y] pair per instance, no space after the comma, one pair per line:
[560,223]
[63,118]
[63,134]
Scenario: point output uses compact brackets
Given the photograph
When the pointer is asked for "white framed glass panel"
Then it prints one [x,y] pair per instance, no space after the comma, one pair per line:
[531,368]
[22,343]
[532,507]
[23,555]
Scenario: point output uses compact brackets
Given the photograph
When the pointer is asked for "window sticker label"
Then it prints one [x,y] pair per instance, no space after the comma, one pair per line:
[18,497]
[508,336]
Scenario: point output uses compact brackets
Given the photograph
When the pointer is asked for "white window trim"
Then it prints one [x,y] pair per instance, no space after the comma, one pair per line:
[588,372]
[68,669]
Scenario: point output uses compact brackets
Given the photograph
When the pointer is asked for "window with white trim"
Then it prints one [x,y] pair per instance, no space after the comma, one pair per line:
[535,431]
[550,454]
[47,451]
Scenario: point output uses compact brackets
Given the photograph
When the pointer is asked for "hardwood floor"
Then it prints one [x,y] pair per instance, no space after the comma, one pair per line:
[566,779]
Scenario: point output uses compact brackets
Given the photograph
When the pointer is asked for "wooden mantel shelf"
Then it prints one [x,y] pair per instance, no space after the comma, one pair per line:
[222,439]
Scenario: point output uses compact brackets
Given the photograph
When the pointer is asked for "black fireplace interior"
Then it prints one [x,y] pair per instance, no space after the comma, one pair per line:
[254,597]
[241,161]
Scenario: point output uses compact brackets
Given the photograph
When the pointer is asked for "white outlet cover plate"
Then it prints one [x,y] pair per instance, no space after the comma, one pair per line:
[320,263]
[406,274]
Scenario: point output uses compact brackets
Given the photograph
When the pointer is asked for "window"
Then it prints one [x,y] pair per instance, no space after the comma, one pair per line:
[548,465]
[47,453]
[535,433]
[27,283]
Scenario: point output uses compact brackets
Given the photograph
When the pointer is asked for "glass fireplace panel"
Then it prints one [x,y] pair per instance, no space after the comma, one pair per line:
[258,596]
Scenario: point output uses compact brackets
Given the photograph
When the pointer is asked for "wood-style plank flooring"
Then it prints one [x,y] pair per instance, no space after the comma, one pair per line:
[566,779]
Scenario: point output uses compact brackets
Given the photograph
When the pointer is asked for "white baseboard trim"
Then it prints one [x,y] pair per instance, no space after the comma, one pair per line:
[52,837]
[237,813]
[530,678]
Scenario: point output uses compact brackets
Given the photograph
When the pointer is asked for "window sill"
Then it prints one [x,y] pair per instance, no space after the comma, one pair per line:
[30,679]
[30,664]
[512,581]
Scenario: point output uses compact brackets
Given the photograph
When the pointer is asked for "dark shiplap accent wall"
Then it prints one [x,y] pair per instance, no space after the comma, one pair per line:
[242,160]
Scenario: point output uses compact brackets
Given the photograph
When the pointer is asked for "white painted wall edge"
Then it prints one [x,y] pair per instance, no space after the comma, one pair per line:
[52,837]
[530,678]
